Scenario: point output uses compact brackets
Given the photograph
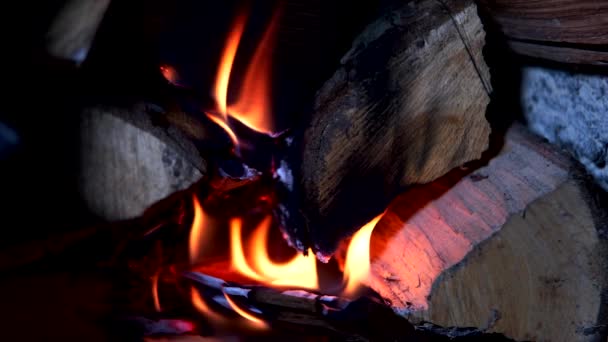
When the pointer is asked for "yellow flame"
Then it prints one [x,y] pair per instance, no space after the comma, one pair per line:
[300,271]
[199,231]
[226,62]
[237,252]
[357,264]
[258,323]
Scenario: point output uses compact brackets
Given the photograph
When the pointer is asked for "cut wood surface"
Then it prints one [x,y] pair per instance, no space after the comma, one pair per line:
[516,247]
[406,105]
[571,31]
[128,163]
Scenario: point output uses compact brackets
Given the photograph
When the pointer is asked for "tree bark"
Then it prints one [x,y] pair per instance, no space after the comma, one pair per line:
[406,105]
[516,247]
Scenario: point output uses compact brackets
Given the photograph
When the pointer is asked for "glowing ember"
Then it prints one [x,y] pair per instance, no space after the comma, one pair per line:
[169,73]
[356,266]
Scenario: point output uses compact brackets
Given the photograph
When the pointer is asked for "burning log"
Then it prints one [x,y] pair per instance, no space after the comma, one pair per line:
[129,161]
[406,105]
[362,319]
[570,31]
[516,247]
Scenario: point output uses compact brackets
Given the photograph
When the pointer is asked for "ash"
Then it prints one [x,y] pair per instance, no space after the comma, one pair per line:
[570,110]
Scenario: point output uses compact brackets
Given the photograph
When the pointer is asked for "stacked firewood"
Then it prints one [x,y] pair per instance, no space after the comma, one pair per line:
[488,230]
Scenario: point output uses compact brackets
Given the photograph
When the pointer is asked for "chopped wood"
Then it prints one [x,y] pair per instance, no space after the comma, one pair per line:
[406,105]
[570,31]
[128,163]
[516,247]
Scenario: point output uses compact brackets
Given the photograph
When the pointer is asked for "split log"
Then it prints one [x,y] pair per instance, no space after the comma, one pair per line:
[72,32]
[128,162]
[570,31]
[516,247]
[406,105]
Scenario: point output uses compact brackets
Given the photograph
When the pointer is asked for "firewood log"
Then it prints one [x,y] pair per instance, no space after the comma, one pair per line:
[406,105]
[570,31]
[128,162]
[516,247]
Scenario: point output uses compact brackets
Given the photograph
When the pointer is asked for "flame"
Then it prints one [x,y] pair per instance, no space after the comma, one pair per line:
[226,127]
[157,306]
[198,232]
[258,323]
[223,75]
[253,105]
[357,264]
[300,271]
[237,253]
[204,309]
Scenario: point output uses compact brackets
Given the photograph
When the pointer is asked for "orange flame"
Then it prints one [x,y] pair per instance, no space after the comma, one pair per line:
[157,306]
[223,76]
[198,232]
[253,106]
[204,309]
[357,264]
[225,127]
[300,271]
[258,323]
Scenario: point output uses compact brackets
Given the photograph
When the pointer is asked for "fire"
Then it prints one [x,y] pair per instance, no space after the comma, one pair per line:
[198,233]
[223,76]
[155,297]
[253,105]
[300,271]
[199,303]
[251,258]
[357,264]
[258,323]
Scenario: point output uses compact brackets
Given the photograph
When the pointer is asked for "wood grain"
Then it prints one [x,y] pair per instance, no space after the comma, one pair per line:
[407,105]
[516,247]
[568,31]
[568,21]
[128,163]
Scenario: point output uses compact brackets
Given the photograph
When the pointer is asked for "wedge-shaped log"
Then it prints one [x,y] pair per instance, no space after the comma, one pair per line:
[516,247]
[406,105]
